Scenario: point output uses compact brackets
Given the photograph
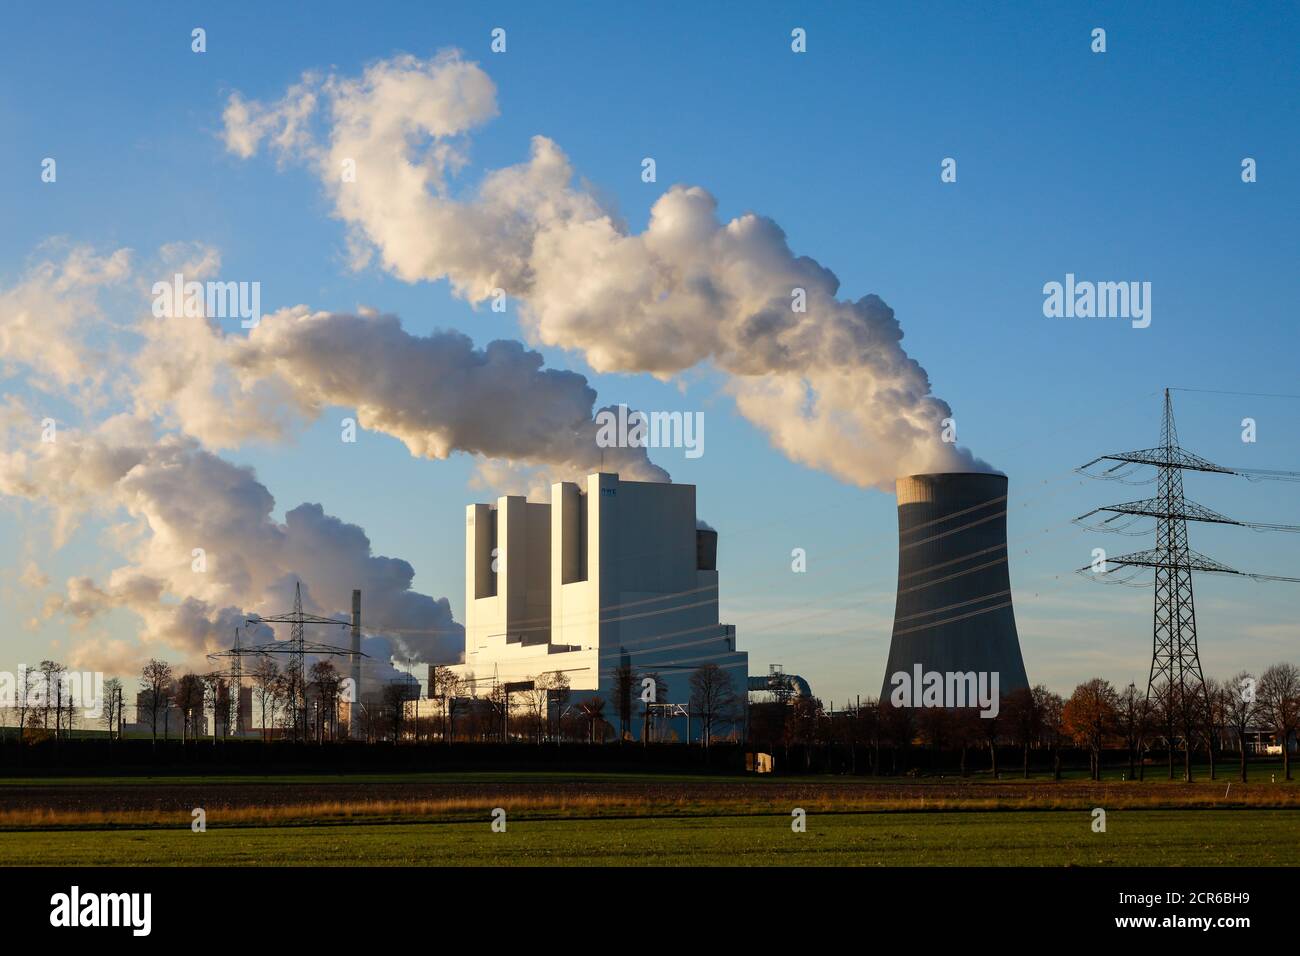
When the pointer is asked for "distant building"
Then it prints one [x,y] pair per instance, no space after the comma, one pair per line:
[245,711]
[610,573]
[170,718]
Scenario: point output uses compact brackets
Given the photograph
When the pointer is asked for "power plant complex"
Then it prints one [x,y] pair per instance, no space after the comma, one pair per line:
[610,574]
[619,573]
[611,590]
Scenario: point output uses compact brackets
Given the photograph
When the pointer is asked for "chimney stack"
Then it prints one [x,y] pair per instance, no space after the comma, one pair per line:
[356,660]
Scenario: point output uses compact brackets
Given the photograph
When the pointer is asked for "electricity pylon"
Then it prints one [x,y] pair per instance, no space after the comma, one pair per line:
[297,647]
[1175,679]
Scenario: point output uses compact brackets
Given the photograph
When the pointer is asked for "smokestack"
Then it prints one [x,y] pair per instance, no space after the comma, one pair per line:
[953,611]
[356,659]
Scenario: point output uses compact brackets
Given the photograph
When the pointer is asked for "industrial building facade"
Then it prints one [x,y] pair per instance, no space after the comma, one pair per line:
[611,573]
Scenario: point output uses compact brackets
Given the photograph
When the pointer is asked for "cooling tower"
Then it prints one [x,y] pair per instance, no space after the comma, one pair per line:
[953,611]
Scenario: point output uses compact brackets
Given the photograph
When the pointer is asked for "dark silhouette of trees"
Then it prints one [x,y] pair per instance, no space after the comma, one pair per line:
[1020,712]
[189,700]
[934,725]
[1051,714]
[899,726]
[1278,696]
[328,682]
[155,681]
[659,692]
[593,712]
[266,677]
[991,729]
[1131,722]
[444,685]
[1237,699]
[712,698]
[624,685]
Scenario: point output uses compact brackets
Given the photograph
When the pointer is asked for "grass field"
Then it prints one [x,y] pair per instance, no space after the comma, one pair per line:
[643,819]
[1032,838]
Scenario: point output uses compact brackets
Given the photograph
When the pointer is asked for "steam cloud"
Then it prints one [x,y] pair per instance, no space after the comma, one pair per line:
[832,385]
[437,394]
[176,497]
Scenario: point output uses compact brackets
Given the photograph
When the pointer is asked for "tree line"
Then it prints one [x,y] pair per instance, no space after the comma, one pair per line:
[1097,718]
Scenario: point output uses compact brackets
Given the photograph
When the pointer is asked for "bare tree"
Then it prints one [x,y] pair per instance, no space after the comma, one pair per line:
[868,722]
[1278,696]
[155,680]
[593,711]
[561,691]
[463,687]
[51,700]
[536,700]
[991,724]
[284,703]
[1215,717]
[212,685]
[1051,710]
[713,697]
[265,675]
[444,685]
[1237,694]
[899,727]
[189,700]
[327,680]
[658,688]
[624,684]
[1025,721]
[111,716]
[1165,714]
[1131,721]
[500,706]
[395,694]
[802,720]
[22,705]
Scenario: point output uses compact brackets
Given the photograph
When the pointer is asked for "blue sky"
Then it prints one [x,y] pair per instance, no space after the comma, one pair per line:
[1116,166]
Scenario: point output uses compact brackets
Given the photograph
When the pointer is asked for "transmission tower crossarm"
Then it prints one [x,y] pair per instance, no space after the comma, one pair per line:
[309,647]
[1160,558]
[1170,457]
[1155,508]
[294,618]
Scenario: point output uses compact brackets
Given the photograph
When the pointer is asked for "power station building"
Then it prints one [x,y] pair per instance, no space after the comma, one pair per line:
[953,611]
[610,573]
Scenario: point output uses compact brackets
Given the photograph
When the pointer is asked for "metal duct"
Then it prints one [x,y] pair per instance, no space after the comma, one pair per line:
[798,685]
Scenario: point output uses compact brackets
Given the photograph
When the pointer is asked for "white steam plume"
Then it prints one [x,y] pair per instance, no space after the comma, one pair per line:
[437,394]
[167,497]
[831,384]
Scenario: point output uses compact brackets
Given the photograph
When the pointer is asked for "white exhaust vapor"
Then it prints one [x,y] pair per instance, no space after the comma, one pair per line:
[826,378]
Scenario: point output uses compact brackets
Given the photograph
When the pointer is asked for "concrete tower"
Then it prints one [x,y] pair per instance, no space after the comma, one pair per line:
[953,610]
